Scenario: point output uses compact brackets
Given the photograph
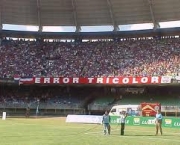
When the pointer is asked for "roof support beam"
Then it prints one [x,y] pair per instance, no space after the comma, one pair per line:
[116,27]
[78,27]
[1,7]
[156,24]
[39,15]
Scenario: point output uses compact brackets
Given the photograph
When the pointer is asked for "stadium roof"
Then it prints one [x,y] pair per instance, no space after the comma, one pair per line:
[87,12]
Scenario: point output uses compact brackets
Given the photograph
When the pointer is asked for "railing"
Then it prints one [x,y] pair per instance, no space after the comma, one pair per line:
[166,110]
[41,106]
[171,110]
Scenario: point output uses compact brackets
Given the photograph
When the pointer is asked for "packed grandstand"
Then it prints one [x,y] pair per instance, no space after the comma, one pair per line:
[151,57]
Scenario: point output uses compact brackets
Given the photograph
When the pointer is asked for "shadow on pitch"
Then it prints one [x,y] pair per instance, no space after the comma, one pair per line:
[140,135]
[148,135]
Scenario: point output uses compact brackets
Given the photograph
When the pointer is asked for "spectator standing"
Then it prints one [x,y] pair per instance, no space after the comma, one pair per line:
[123,116]
[159,118]
[106,123]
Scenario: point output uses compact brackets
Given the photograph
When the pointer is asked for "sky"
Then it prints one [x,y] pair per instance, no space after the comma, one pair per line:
[91,28]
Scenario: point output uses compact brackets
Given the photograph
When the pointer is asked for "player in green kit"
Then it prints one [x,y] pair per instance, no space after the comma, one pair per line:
[106,123]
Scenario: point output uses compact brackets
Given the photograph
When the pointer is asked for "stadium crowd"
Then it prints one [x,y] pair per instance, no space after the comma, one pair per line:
[31,96]
[149,57]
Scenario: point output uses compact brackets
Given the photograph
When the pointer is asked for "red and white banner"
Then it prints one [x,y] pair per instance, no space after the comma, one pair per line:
[150,109]
[95,80]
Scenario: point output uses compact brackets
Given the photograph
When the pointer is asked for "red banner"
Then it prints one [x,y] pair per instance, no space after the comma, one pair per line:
[150,109]
[94,81]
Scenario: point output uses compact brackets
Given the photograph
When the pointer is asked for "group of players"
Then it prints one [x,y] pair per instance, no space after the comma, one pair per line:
[123,115]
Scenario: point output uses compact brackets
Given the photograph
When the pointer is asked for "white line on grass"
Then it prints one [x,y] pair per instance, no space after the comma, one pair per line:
[49,125]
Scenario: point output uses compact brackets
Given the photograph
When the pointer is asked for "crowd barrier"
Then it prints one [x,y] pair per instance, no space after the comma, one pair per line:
[84,119]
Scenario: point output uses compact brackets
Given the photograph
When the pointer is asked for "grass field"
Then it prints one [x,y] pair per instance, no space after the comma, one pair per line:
[54,131]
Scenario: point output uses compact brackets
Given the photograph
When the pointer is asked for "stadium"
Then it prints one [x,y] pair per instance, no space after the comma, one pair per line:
[63,63]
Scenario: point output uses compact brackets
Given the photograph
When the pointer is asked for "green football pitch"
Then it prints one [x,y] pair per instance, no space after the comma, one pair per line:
[54,131]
